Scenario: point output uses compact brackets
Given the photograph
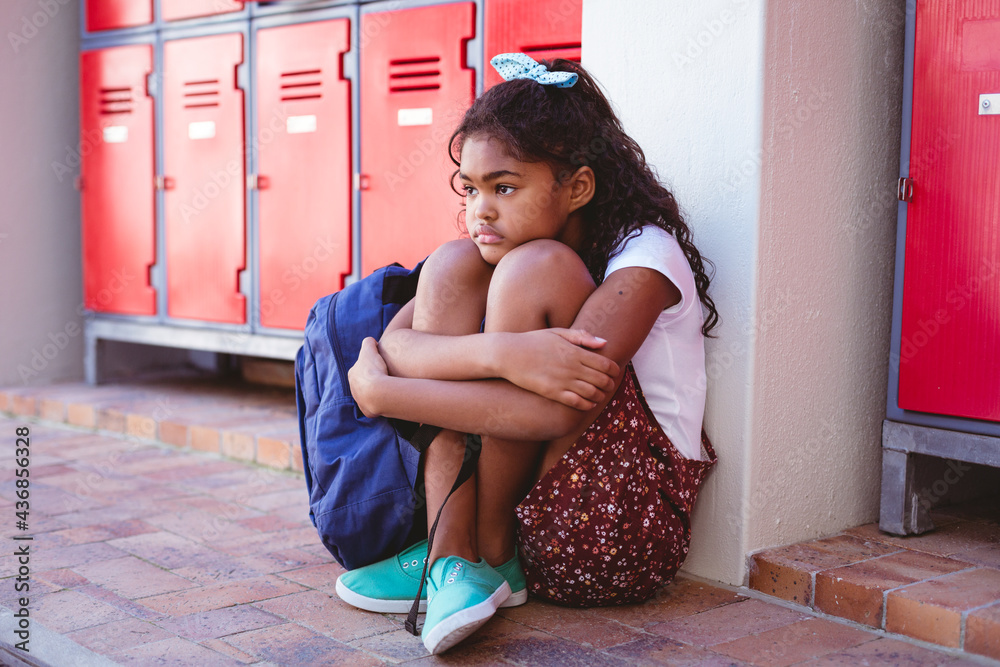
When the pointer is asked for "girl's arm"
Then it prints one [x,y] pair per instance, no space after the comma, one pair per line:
[551,362]
[622,310]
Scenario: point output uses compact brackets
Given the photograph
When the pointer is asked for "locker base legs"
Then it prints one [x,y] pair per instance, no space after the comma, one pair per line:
[903,511]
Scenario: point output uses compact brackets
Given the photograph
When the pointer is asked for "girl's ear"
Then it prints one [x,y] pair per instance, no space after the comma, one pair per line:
[582,185]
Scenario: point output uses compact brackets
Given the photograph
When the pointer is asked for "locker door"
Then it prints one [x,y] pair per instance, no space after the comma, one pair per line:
[950,346]
[540,28]
[173,10]
[414,90]
[111,14]
[204,202]
[304,144]
[116,119]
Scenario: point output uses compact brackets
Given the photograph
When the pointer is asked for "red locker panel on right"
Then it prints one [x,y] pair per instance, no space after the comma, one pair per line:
[543,29]
[116,122]
[112,14]
[950,346]
[415,87]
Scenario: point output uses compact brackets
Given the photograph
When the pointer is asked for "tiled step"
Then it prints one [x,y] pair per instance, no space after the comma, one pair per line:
[228,417]
[942,587]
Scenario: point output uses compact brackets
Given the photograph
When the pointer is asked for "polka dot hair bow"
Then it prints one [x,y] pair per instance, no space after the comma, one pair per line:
[521,66]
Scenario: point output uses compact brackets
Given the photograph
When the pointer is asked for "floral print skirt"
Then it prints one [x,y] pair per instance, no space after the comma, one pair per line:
[610,522]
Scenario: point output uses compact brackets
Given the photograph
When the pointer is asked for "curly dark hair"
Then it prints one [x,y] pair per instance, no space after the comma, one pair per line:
[576,126]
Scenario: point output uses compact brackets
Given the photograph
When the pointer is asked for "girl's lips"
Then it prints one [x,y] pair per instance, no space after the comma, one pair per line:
[486,234]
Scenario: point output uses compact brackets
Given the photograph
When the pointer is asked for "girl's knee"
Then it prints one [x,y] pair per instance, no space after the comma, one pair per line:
[544,275]
[456,264]
[542,259]
[454,276]
[541,266]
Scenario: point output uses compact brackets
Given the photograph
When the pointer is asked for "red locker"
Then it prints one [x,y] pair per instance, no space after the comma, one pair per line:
[950,345]
[544,29]
[174,10]
[415,86]
[116,122]
[205,180]
[111,14]
[304,148]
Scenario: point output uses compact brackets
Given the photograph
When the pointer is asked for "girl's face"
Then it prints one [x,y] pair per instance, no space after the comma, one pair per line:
[509,202]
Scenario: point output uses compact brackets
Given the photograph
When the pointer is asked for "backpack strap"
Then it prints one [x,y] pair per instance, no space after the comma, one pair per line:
[473,445]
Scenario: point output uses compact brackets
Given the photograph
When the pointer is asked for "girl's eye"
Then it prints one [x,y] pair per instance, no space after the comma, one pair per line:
[509,189]
[469,191]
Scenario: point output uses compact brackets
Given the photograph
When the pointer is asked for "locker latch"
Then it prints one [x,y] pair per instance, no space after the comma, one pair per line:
[904,190]
[361,181]
[258,182]
[165,183]
[989,105]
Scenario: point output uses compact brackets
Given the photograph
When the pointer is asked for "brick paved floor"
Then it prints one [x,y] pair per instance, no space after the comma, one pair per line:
[149,554]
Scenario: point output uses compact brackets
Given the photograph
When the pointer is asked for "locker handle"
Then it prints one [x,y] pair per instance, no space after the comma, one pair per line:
[361,182]
[258,182]
[904,190]
[165,183]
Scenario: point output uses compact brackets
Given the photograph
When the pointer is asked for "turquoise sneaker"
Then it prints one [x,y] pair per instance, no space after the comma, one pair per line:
[462,596]
[512,572]
[389,586]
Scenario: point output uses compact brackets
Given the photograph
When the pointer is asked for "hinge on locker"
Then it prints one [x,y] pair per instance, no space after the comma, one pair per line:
[361,181]
[904,189]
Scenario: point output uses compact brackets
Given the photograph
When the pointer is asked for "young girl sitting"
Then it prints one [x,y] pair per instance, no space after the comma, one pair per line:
[568,333]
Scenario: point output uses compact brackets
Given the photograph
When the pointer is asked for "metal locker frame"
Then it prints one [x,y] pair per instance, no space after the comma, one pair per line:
[350,67]
[906,433]
[116,41]
[260,8]
[145,28]
[473,54]
[227,17]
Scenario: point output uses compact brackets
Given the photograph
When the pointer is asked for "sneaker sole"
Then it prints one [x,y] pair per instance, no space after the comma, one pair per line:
[403,606]
[376,604]
[461,624]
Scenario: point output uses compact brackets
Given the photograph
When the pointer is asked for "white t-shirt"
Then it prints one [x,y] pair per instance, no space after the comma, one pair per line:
[670,363]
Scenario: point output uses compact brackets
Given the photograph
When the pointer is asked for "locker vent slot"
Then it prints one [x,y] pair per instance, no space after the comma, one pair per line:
[203,93]
[414,74]
[116,100]
[569,51]
[302,85]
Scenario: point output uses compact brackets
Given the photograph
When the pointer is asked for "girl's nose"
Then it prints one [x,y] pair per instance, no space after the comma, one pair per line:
[485,208]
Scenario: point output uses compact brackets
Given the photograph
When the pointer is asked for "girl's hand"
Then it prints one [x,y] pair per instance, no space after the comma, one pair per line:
[365,375]
[555,364]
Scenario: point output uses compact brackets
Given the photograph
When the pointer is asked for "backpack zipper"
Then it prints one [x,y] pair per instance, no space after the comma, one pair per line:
[335,344]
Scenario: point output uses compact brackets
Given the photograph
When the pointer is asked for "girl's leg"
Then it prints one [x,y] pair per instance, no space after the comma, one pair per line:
[538,285]
[451,300]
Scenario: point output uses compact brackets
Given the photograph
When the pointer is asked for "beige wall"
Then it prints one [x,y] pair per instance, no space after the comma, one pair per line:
[777,126]
[41,337]
[832,104]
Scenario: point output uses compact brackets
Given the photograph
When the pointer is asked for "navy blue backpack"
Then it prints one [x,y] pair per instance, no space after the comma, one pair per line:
[360,472]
